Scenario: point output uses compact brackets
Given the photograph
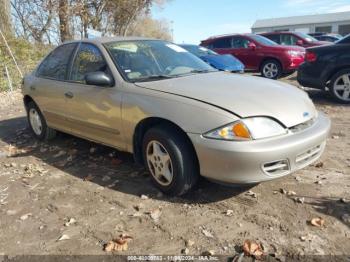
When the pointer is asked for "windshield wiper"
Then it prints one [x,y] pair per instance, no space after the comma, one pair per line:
[153,77]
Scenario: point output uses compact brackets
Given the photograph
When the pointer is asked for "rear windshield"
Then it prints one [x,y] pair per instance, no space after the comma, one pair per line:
[308,38]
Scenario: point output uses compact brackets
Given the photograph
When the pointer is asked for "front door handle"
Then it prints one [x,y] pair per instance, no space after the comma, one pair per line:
[32,88]
[69,95]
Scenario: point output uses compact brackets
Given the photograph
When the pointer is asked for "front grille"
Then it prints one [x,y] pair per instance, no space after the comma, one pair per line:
[302,126]
[276,168]
[308,156]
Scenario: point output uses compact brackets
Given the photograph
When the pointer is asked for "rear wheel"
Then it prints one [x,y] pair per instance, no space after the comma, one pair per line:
[340,86]
[170,160]
[37,123]
[271,69]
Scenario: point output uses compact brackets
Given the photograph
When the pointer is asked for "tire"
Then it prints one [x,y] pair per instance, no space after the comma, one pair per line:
[37,123]
[166,149]
[271,69]
[340,86]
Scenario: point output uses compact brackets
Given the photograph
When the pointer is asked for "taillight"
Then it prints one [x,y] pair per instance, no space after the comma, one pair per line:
[310,56]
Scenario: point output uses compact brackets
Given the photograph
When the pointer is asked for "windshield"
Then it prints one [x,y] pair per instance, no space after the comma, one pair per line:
[263,40]
[150,60]
[198,50]
[308,38]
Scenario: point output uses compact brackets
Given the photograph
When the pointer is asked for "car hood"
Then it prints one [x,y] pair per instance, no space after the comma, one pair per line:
[242,95]
[224,62]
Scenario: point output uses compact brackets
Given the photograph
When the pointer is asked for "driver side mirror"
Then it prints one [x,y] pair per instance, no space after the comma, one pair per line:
[251,45]
[99,78]
[300,42]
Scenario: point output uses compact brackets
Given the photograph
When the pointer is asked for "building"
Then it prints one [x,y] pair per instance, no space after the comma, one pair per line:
[338,23]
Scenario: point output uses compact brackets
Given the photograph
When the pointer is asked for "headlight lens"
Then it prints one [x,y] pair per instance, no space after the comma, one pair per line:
[248,129]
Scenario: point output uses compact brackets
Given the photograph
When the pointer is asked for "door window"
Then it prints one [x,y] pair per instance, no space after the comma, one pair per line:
[55,66]
[276,38]
[222,43]
[88,59]
[240,42]
[288,40]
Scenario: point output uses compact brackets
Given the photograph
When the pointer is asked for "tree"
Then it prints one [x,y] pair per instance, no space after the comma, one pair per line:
[146,26]
[5,16]
[63,15]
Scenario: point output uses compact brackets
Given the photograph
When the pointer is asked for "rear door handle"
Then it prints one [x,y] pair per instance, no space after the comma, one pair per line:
[69,95]
[32,88]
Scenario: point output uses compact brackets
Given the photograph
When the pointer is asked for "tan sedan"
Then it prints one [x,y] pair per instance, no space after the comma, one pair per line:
[176,114]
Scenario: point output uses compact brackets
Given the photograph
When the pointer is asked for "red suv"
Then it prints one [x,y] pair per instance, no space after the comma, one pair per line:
[294,38]
[258,53]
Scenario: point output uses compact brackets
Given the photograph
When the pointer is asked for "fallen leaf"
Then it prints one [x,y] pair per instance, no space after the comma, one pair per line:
[252,248]
[189,243]
[63,237]
[251,193]
[119,244]
[319,165]
[208,253]
[317,222]
[60,153]
[71,221]
[144,197]
[92,150]
[89,177]
[207,233]
[185,251]
[291,193]
[229,212]
[26,216]
[155,214]
[300,200]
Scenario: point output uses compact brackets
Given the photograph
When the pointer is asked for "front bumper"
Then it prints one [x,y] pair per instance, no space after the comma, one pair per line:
[245,162]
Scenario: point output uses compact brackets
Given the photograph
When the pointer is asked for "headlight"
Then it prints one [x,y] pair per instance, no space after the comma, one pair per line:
[248,129]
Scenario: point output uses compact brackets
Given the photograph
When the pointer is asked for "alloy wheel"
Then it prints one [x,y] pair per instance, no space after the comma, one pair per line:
[159,163]
[342,87]
[270,70]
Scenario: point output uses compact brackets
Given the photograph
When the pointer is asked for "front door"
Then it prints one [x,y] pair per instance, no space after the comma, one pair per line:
[94,111]
[241,50]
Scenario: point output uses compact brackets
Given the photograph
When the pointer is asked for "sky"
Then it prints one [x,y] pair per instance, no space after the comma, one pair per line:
[195,20]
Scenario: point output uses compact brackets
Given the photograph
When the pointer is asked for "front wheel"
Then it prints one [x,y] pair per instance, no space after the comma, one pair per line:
[38,124]
[271,69]
[170,160]
[340,86]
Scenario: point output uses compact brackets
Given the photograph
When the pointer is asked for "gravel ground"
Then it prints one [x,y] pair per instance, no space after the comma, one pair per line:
[71,196]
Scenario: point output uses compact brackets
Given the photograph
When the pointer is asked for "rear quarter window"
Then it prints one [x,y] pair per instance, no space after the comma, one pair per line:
[55,65]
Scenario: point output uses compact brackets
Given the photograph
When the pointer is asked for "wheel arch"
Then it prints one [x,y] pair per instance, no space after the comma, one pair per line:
[334,71]
[270,58]
[144,125]
[27,99]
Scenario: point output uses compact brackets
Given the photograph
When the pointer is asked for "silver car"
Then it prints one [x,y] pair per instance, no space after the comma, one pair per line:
[173,112]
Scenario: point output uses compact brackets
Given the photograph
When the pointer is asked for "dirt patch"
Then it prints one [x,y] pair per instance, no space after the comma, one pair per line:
[71,196]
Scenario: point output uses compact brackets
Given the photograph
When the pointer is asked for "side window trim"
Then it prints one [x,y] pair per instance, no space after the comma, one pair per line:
[74,57]
[68,65]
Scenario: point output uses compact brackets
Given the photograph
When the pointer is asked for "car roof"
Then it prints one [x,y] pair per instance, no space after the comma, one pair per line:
[102,40]
[278,33]
[227,35]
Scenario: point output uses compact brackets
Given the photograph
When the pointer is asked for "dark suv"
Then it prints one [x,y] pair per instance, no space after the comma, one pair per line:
[328,67]
[293,38]
[258,53]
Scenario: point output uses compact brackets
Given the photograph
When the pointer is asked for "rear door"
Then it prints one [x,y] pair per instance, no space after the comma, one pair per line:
[241,50]
[94,111]
[274,37]
[222,45]
[49,85]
